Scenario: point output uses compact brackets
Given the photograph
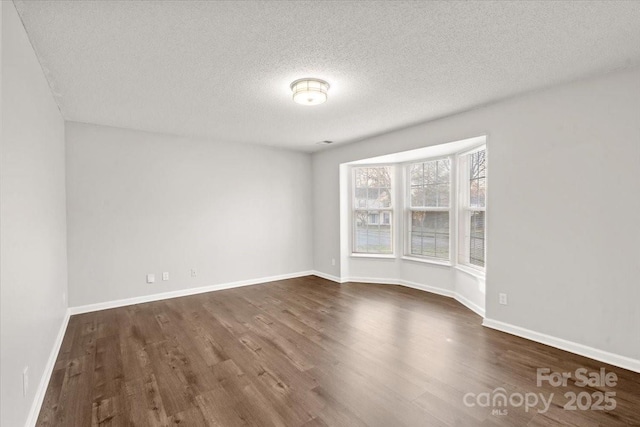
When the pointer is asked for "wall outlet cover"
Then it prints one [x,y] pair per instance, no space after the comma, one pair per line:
[502,299]
[25,381]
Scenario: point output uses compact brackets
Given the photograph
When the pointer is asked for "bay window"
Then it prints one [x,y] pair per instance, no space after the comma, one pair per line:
[442,201]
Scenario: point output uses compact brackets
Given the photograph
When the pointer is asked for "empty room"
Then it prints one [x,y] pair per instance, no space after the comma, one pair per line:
[320,213]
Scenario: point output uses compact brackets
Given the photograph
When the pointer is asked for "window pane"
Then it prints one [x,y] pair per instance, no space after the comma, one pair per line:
[361,197]
[360,238]
[442,246]
[473,166]
[443,195]
[384,242]
[416,244]
[417,197]
[384,177]
[473,193]
[386,218]
[415,172]
[430,183]
[444,171]
[384,199]
[477,164]
[361,177]
[417,229]
[482,164]
[372,177]
[428,244]
[477,180]
[372,192]
[476,239]
[373,232]
[430,234]
[372,198]
[429,172]
[372,187]
[431,196]
[482,185]
[442,234]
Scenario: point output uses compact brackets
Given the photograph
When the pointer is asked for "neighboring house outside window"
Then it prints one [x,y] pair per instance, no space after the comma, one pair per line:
[372,210]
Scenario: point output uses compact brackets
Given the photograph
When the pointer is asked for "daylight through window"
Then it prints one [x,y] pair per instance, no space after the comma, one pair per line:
[372,211]
[429,201]
[442,201]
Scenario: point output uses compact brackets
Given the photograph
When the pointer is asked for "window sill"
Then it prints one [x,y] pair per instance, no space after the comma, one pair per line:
[470,271]
[427,261]
[382,256]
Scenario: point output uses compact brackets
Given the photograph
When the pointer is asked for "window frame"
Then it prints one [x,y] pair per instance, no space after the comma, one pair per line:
[408,210]
[391,210]
[464,210]
[400,211]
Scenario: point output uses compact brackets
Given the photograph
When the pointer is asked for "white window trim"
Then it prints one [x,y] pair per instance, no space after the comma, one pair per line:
[427,260]
[480,274]
[372,255]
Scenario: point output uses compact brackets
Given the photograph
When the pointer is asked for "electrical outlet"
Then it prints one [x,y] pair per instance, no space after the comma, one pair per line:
[194,273]
[151,278]
[25,381]
[502,299]
[333,261]
[165,275]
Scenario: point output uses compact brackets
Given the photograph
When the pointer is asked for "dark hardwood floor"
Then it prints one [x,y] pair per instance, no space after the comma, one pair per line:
[308,352]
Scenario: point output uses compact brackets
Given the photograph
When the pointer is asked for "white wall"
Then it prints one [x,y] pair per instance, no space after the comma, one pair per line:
[143,203]
[564,197]
[32,221]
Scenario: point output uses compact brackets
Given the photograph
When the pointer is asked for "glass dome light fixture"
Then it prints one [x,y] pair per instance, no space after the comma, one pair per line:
[309,91]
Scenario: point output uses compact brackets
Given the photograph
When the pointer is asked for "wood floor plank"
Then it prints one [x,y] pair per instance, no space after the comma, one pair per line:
[176,381]
[308,352]
[246,397]
[143,403]
[50,404]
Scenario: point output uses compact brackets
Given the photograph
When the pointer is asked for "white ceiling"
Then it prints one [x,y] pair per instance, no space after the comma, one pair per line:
[222,69]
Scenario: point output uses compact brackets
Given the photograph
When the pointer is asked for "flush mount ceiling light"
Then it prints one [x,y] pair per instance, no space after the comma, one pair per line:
[309,91]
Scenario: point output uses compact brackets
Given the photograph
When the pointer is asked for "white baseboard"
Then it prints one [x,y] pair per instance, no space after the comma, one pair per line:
[388,281]
[46,375]
[562,344]
[446,293]
[183,292]
[327,276]
[431,289]
[374,280]
[470,305]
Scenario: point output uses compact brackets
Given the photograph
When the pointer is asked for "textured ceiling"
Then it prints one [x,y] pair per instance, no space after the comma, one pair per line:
[222,69]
